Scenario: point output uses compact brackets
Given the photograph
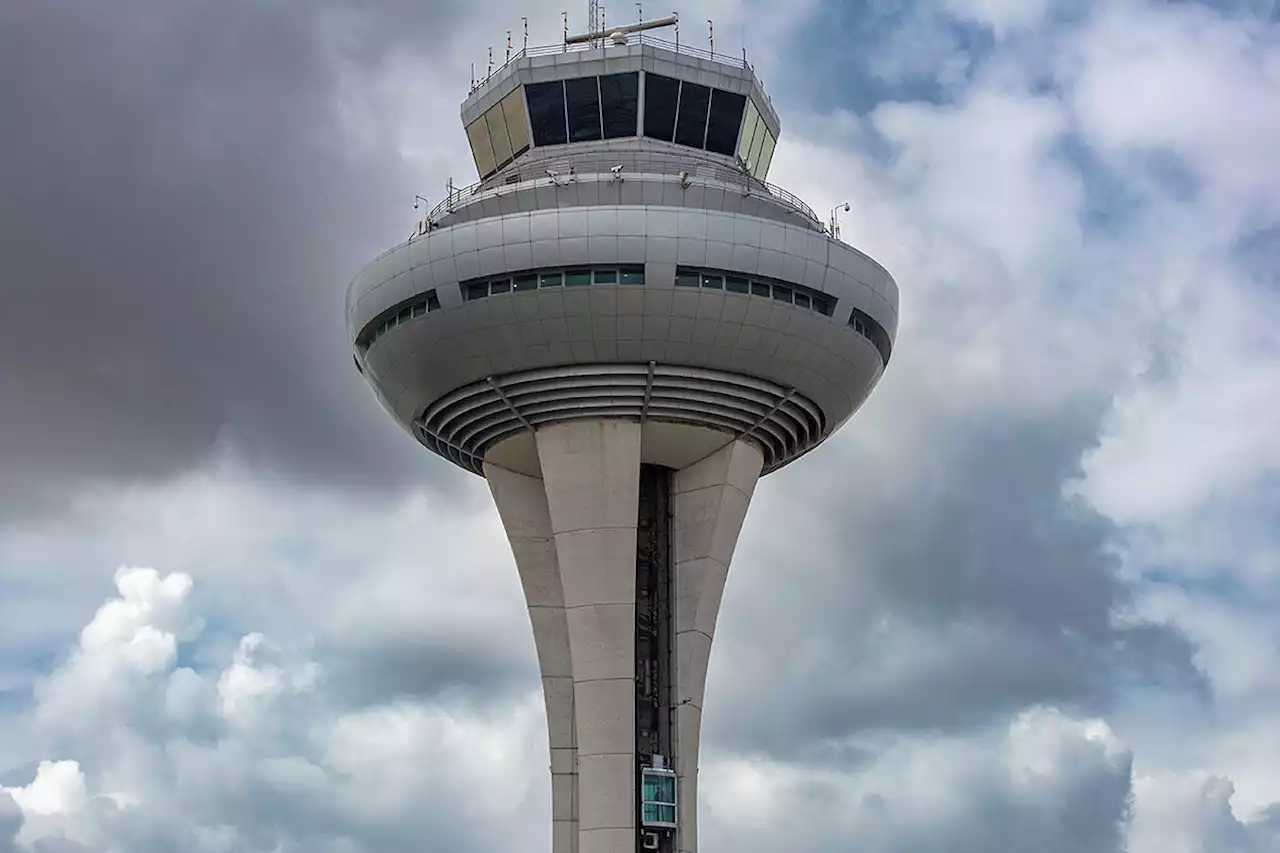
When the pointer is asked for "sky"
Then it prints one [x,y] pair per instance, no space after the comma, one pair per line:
[1027,599]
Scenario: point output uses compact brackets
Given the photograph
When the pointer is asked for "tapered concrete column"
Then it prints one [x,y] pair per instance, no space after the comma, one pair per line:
[711,499]
[522,505]
[590,472]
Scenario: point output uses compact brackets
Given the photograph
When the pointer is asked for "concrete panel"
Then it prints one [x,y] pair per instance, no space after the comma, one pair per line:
[707,523]
[606,713]
[606,795]
[591,471]
[602,639]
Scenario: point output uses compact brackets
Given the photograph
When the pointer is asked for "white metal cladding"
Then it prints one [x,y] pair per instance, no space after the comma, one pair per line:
[462,424]
[679,229]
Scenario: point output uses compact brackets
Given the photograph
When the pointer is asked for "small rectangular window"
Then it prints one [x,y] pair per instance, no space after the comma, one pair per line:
[736,285]
[404,315]
[802,299]
[500,285]
[546,112]
[781,293]
[551,279]
[619,95]
[660,96]
[606,276]
[713,281]
[391,322]
[821,305]
[631,275]
[433,301]
[582,99]
[724,121]
[477,290]
[577,278]
[691,123]
[759,288]
[525,282]
[419,309]
[688,279]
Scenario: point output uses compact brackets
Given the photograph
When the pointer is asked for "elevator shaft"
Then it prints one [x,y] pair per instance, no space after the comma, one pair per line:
[655,659]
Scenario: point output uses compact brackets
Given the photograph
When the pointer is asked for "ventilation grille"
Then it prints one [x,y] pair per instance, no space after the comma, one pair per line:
[464,423]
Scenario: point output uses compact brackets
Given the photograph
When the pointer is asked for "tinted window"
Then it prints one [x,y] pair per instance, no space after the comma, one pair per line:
[582,97]
[691,125]
[501,285]
[606,276]
[618,103]
[577,278]
[737,285]
[551,279]
[726,118]
[631,275]
[660,96]
[546,112]
[687,279]
[525,282]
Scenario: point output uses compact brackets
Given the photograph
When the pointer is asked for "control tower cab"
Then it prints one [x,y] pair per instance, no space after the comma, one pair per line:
[622,326]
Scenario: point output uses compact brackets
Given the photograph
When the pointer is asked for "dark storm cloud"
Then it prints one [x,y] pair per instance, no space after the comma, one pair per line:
[181,213]
[972,594]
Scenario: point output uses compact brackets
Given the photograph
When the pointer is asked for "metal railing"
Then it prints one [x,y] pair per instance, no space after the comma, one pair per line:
[692,168]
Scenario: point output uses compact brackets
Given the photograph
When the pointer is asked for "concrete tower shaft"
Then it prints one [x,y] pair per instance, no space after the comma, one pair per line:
[575,533]
[622,327]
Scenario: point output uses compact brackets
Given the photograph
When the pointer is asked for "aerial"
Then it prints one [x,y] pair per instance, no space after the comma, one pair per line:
[399,397]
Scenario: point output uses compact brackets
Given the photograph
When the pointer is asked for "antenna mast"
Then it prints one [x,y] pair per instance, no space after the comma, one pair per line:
[593,16]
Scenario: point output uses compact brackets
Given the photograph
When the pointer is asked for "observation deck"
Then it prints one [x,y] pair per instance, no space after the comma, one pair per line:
[622,254]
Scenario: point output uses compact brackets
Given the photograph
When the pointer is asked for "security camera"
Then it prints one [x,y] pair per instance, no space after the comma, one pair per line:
[846,207]
[684,179]
[552,173]
[616,169]
[415,204]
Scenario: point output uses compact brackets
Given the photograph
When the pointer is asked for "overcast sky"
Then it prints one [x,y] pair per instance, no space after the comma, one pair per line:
[1028,598]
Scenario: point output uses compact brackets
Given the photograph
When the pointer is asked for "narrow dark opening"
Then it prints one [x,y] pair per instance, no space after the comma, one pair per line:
[654,642]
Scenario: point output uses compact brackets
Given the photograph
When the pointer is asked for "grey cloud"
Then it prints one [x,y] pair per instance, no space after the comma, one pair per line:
[183,210]
[975,592]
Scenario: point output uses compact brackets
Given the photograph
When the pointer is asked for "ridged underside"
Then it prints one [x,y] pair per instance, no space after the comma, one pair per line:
[464,423]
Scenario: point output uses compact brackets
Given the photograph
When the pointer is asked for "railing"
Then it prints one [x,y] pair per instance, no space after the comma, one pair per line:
[692,166]
[605,44]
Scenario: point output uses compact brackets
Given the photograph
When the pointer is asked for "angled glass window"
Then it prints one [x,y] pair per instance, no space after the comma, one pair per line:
[501,285]
[405,314]
[582,99]
[821,305]
[766,155]
[525,282]
[481,147]
[713,281]
[419,309]
[781,293]
[660,97]
[497,122]
[619,103]
[477,290]
[750,126]
[577,278]
[546,112]
[433,301]
[759,288]
[513,112]
[688,279]
[552,279]
[606,276]
[691,121]
[724,122]
[736,285]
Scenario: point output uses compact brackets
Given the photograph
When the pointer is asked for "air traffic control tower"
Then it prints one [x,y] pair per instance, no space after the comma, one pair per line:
[621,327]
